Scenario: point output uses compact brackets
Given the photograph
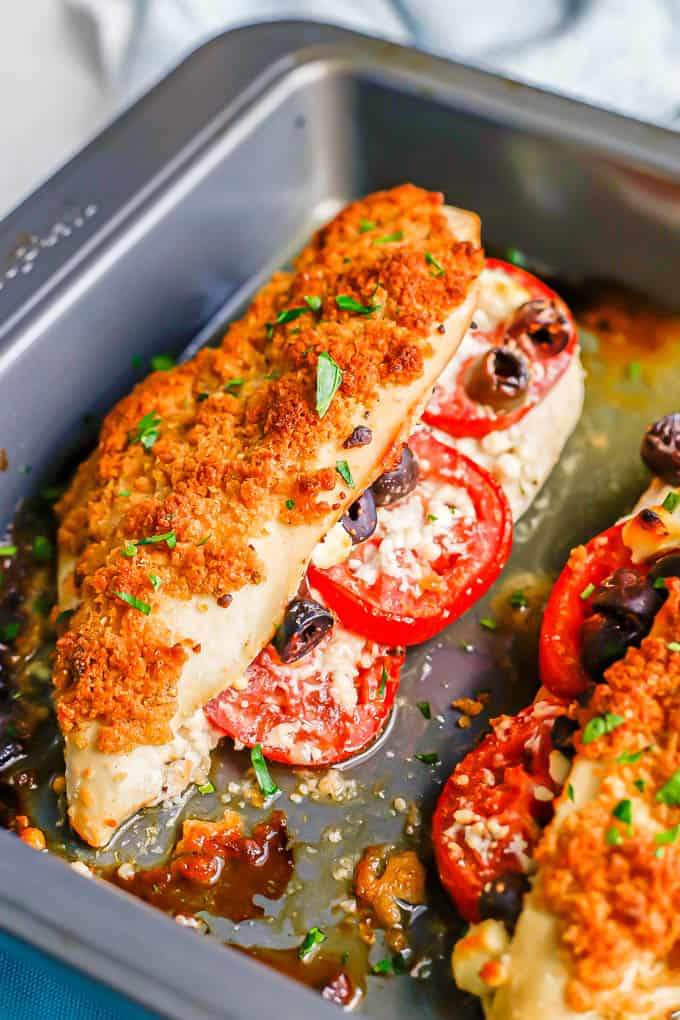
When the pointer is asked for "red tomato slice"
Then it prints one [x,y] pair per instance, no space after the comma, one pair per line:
[418,597]
[453,411]
[560,641]
[292,711]
[488,818]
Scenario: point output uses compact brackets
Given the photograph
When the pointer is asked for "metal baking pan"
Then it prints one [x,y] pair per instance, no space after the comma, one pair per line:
[151,238]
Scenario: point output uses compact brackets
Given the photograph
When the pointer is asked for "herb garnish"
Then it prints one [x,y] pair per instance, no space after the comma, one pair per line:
[670,792]
[348,304]
[488,623]
[313,302]
[634,371]
[365,225]
[8,550]
[673,646]
[129,549]
[169,537]
[465,646]
[146,430]
[328,380]
[136,603]
[397,965]
[425,710]
[518,600]
[668,835]
[624,811]
[428,757]
[51,493]
[313,938]
[671,502]
[398,235]
[42,548]
[124,493]
[265,781]
[206,788]
[155,581]
[206,538]
[431,261]
[587,591]
[516,257]
[290,504]
[383,682]
[613,836]
[162,362]
[660,583]
[233,385]
[640,785]
[570,792]
[630,757]
[343,469]
[601,724]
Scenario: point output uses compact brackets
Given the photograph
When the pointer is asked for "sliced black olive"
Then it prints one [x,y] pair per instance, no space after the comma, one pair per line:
[667,566]
[626,593]
[361,519]
[360,436]
[304,624]
[540,324]
[605,640]
[499,379]
[660,448]
[562,735]
[394,485]
[501,899]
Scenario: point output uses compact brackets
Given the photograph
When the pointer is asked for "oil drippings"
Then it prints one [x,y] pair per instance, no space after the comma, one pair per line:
[217,869]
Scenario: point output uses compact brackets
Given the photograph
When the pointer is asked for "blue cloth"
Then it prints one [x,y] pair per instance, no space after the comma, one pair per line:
[34,986]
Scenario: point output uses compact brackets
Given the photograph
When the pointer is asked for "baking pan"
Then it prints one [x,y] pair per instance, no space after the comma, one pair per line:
[148,241]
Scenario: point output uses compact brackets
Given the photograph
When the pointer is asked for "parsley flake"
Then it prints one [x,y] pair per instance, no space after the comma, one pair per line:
[671,502]
[290,504]
[146,430]
[383,682]
[518,600]
[264,779]
[428,757]
[640,785]
[343,469]
[205,539]
[624,811]
[516,257]
[155,581]
[124,493]
[169,537]
[162,362]
[313,938]
[398,235]
[630,757]
[366,225]
[8,550]
[136,603]
[424,708]
[9,631]
[634,371]
[668,835]
[233,385]
[206,788]
[601,724]
[328,380]
[42,548]
[488,623]
[660,584]
[670,792]
[313,303]
[129,549]
[587,591]
[348,304]
[570,792]
[613,836]
[438,270]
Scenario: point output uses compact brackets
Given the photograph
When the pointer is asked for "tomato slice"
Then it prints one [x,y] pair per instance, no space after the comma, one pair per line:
[494,805]
[425,564]
[454,412]
[560,642]
[320,710]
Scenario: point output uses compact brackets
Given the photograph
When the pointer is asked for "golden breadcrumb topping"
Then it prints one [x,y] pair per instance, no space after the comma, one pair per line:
[209,451]
[611,870]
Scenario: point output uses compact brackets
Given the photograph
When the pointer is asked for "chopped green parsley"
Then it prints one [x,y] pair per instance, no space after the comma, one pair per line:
[328,380]
[142,607]
[264,779]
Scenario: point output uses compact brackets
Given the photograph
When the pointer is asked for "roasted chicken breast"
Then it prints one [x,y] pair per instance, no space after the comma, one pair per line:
[187,531]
